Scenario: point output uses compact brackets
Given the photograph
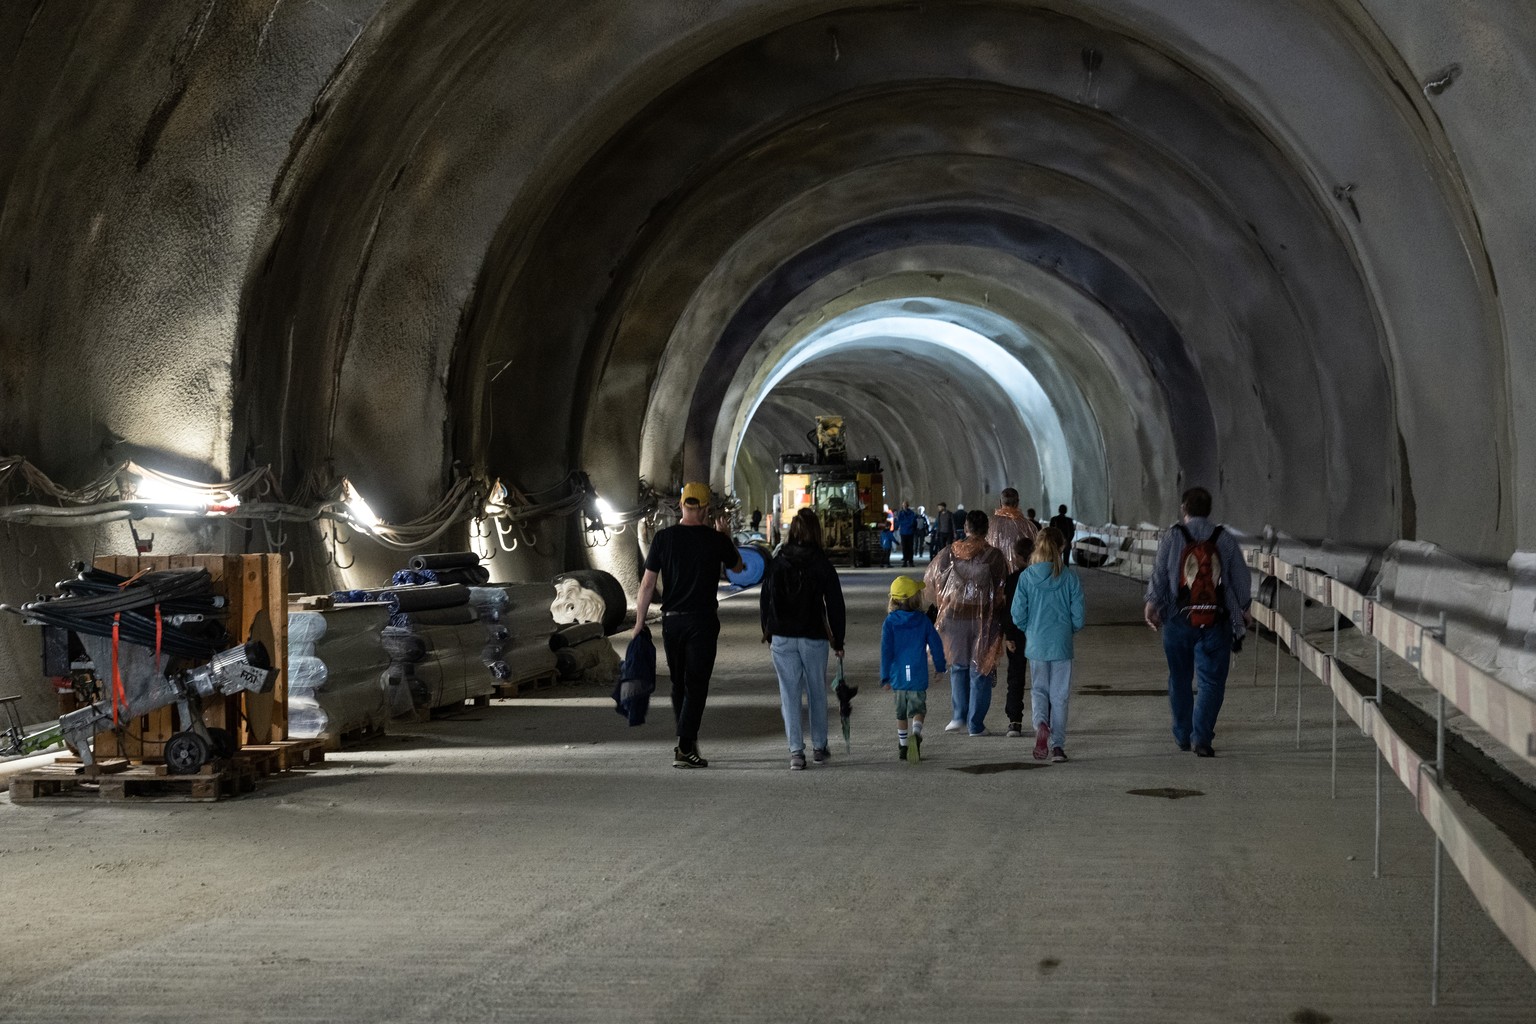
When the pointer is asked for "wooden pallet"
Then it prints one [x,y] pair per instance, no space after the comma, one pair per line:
[135,783]
[120,779]
[288,755]
[350,738]
[523,687]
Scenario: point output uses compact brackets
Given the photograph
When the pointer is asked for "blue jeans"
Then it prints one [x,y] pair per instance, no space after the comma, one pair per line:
[801,664]
[971,694]
[1052,688]
[1201,656]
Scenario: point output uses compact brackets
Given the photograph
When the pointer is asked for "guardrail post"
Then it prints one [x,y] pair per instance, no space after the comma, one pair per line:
[1376,864]
[1434,927]
[1276,623]
[1434,954]
[1333,781]
[1301,618]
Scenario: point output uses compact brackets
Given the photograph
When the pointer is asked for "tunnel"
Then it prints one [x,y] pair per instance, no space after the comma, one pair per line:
[457,256]
[1099,252]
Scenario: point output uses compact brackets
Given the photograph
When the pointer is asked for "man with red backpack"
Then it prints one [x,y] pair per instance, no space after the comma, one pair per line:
[1198,596]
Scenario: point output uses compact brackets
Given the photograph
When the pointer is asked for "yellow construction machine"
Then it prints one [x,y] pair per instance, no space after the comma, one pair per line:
[848,497]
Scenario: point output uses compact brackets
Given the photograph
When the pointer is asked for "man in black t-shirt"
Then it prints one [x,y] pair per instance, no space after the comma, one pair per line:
[688,558]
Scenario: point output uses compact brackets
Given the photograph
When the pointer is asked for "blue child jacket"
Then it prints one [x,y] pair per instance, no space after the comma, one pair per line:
[906,639]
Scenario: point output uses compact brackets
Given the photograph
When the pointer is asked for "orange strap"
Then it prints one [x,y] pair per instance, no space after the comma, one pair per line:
[159,635]
[118,693]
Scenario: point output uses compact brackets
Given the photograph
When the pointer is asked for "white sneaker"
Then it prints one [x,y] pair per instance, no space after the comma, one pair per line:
[954,727]
[1015,730]
[983,732]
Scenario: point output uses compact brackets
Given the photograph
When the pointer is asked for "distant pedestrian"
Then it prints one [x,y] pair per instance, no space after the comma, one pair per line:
[906,529]
[1048,607]
[967,579]
[757,520]
[1013,643]
[1029,514]
[1008,526]
[923,528]
[803,616]
[959,522]
[907,640]
[688,559]
[1198,595]
[1067,527]
[943,530]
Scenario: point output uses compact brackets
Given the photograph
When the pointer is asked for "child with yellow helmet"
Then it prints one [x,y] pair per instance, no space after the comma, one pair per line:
[906,640]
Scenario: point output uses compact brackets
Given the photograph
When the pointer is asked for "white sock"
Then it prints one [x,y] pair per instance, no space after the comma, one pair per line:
[917,728]
[901,736]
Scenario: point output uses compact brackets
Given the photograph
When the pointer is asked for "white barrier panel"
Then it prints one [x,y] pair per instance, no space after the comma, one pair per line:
[1505,714]
[1506,901]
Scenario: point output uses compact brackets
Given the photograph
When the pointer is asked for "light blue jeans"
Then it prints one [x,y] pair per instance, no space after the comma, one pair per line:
[801,664]
[971,694]
[1052,682]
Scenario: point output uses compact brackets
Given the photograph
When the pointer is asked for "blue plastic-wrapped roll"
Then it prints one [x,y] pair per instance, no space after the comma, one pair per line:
[754,564]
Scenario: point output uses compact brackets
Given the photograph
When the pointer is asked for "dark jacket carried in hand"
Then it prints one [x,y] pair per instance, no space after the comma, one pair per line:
[801,596]
[637,679]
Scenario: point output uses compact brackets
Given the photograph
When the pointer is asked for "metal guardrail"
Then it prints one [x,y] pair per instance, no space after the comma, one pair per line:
[1507,715]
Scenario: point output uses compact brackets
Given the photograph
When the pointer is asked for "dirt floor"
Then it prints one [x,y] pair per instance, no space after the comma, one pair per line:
[540,860]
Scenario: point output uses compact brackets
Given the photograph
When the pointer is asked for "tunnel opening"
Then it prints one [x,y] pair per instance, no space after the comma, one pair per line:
[946,408]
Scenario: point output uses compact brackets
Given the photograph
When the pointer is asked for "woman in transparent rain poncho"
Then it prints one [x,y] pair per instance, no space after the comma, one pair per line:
[967,581]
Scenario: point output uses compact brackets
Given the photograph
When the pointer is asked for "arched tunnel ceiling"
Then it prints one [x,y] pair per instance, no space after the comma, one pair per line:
[1151,179]
[539,246]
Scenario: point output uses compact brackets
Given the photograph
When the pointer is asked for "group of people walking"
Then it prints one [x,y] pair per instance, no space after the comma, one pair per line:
[1003,590]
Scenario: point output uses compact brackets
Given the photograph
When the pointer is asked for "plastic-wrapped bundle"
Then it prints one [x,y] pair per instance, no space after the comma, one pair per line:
[489,602]
[594,661]
[453,669]
[459,615]
[472,576]
[336,667]
[413,598]
[570,636]
[306,673]
[529,660]
[526,613]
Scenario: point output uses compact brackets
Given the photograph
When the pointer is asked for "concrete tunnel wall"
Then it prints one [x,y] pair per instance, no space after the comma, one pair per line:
[404,240]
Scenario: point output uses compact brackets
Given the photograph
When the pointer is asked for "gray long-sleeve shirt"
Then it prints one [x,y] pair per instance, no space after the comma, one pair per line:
[1237,579]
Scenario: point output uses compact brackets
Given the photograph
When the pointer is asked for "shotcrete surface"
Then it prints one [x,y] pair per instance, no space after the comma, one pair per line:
[539,860]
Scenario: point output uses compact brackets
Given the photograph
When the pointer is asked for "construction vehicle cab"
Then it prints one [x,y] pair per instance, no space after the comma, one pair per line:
[848,497]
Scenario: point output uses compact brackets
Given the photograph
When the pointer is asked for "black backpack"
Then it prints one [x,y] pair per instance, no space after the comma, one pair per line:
[790,586]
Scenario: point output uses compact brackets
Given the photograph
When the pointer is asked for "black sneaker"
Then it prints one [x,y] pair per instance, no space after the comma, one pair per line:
[1204,750]
[688,760]
[821,755]
[901,751]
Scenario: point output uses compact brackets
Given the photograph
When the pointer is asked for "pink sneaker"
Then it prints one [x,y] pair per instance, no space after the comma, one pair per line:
[1042,741]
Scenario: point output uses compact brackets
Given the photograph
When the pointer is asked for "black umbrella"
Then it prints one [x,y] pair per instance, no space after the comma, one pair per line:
[845,695]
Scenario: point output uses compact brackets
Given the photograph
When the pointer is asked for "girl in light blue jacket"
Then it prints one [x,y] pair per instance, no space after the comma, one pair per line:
[1048,607]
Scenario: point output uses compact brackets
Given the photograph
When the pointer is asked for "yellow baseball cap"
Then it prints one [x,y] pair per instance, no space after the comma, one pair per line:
[696,492]
[904,588]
